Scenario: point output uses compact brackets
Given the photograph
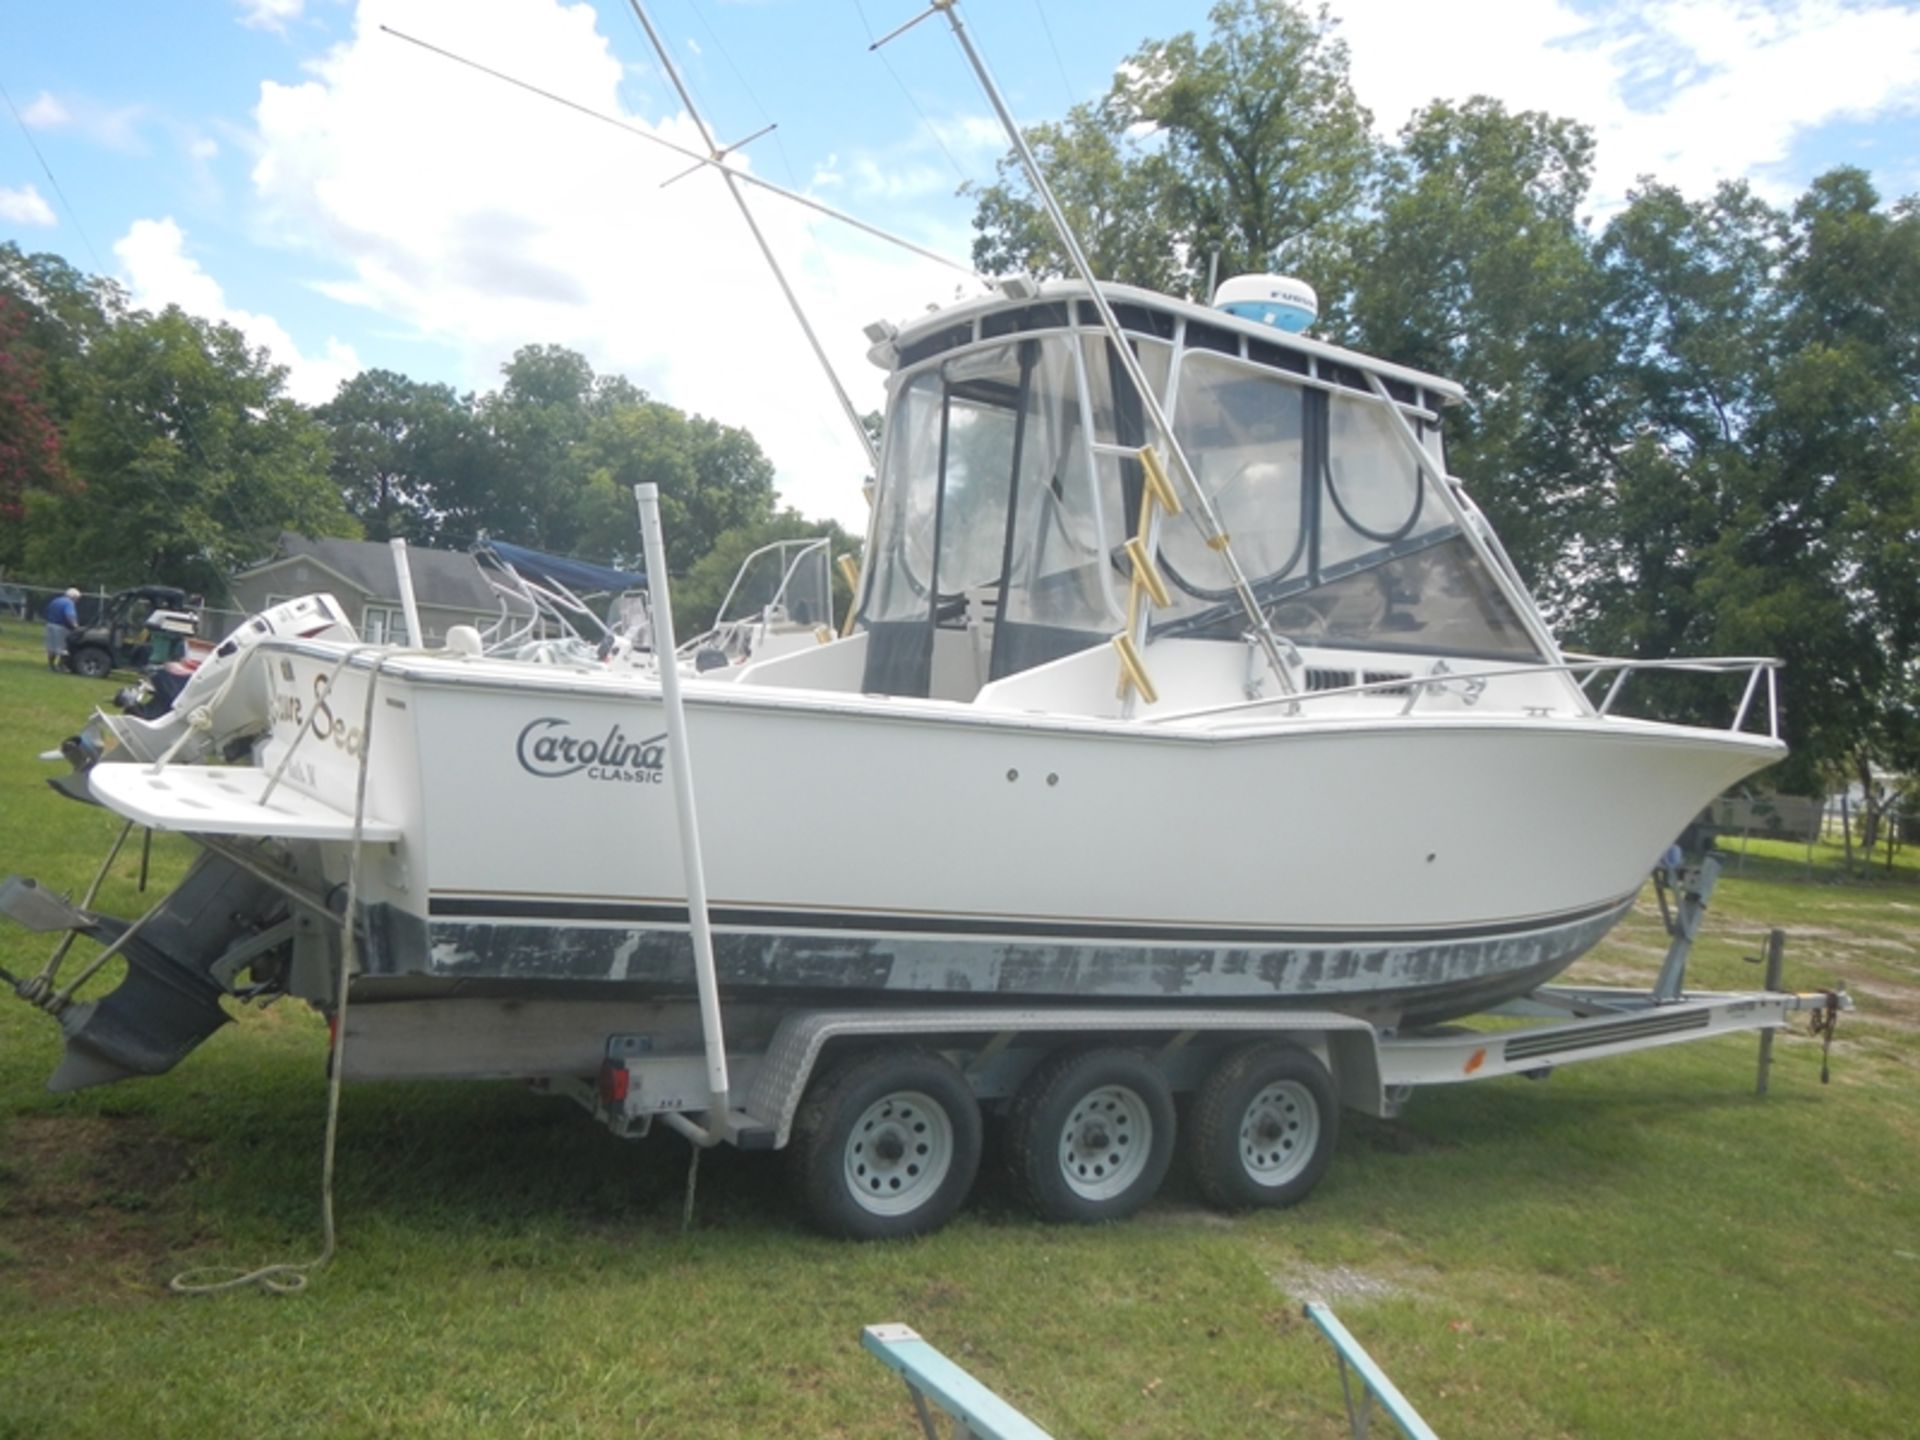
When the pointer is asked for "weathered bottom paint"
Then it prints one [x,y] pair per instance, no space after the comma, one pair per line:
[1411,980]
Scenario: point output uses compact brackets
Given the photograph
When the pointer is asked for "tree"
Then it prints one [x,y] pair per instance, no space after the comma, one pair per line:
[566,447]
[1823,557]
[1116,192]
[1474,264]
[1691,312]
[397,445]
[1242,146]
[30,458]
[193,457]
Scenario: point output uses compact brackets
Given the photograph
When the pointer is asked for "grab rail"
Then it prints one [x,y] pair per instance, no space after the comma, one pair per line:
[1587,666]
[1356,1363]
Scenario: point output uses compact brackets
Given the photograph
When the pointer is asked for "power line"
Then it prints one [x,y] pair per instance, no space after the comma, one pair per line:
[67,204]
[720,45]
[868,27]
[1058,63]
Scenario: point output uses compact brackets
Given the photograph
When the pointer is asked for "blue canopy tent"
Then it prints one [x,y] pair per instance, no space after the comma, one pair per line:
[580,576]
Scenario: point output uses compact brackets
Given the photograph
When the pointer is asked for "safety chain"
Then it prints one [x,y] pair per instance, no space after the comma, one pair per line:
[1826,1020]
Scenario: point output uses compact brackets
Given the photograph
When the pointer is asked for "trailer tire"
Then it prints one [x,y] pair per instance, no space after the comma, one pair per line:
[886,1145]
[1090,1136]
[1263,1128]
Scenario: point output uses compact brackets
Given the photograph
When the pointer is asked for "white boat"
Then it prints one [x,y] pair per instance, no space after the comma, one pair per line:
[1078,745]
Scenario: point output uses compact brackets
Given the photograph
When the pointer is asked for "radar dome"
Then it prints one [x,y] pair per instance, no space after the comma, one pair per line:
[1277,300]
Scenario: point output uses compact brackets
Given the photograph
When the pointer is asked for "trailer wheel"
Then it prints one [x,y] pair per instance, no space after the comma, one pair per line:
[886,1146]
[1090,1136]
[1263,1128]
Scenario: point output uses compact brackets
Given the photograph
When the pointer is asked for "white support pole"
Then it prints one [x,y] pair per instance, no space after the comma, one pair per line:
[680,762]
[403,572]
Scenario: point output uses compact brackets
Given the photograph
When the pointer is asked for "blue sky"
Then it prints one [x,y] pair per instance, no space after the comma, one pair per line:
[351,201]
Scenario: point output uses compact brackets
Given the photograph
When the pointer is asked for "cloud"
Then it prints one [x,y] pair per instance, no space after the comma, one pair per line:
[483,219]
[25,207]
[1691,91]
[159,272]
[116,127]
[269,14]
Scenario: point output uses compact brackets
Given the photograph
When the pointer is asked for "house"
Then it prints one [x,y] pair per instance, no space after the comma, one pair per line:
[447,585]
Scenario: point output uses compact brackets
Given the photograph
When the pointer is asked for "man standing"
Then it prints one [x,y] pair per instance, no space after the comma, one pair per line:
[61,617]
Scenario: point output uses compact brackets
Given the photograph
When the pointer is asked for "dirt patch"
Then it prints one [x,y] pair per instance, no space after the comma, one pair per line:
[87,1203]
[1337,1285]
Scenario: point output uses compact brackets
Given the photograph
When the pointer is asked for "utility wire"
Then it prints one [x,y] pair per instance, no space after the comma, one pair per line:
[1058,64]
[785,163]
[873,46]
[47,169]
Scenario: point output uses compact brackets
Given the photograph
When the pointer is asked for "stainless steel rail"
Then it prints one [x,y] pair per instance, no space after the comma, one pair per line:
[1586,665]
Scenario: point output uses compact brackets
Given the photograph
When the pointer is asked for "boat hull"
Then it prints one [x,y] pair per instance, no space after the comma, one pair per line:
[1411,867]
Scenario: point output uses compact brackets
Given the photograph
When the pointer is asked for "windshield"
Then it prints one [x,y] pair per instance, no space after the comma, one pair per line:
[990,490]
[1343,537]
[1008,490]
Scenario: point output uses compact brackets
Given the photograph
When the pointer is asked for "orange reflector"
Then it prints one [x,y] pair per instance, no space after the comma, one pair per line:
[614,1080]
[1476,1060]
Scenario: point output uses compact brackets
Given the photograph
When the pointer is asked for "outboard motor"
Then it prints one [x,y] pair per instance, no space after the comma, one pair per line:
[235,697]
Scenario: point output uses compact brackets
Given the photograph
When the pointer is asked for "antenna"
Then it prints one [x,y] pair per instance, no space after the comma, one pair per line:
[744,176]
[717,155]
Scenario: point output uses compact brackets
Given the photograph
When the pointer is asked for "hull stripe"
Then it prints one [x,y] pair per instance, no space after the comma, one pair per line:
[530,911]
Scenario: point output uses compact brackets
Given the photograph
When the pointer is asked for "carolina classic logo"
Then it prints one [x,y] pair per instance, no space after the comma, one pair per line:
[548,749]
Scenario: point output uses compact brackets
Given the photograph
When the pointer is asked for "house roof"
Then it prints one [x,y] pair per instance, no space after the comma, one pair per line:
[449,579]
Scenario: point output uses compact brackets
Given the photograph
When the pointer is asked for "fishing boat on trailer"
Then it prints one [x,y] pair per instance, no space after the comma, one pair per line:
[1281,727]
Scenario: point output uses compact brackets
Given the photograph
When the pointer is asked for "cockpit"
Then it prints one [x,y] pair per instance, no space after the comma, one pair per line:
[1010,483]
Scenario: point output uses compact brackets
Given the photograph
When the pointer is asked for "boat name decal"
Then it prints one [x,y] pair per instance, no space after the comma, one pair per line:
[288,709]
[548,748]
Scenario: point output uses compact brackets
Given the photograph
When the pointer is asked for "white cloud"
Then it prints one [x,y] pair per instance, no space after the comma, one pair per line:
[159,272]
[45,112]
[25,207]
[485,220]
[1690,91]
[116,127]
[269,14]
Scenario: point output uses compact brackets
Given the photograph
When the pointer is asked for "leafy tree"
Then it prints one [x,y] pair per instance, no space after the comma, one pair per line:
[398,444]
[564,449]
[1474,264]
[1242,145]
[64,312]
[1115,190]
[194,459]
[30,458]
[1823,555]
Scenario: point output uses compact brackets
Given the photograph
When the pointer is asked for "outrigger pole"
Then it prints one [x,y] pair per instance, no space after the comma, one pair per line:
[1211,529]
[716,156]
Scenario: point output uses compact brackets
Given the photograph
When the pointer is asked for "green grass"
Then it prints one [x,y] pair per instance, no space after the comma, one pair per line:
[1637,1247]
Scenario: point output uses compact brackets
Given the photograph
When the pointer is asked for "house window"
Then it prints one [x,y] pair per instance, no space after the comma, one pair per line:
[383,625]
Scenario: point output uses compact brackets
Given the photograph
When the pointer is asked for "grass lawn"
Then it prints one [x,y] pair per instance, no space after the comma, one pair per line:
[1638,1247]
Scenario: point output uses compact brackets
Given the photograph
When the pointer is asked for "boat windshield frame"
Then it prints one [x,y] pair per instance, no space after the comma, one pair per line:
[1023,387]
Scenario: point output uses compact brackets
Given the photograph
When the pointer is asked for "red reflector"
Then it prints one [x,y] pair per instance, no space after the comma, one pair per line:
[614,1080]
[333,1031]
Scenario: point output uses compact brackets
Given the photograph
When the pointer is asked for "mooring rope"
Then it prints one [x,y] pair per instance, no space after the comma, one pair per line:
[291,1277]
